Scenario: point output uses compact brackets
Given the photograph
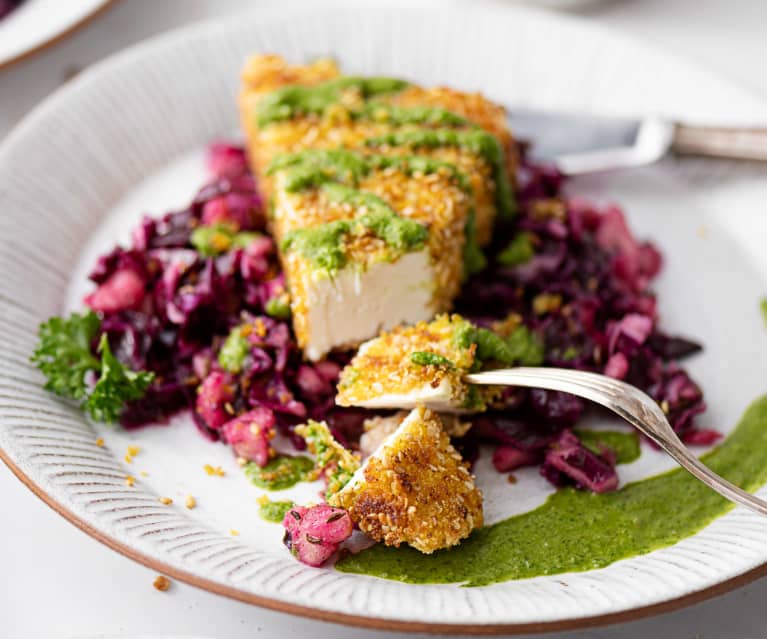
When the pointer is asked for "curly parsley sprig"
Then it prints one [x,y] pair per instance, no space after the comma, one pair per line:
[65,357]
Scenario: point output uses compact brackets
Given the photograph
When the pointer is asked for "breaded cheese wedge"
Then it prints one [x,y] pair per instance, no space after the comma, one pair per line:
[367,242]
[428,162]
[414,489]
[286,108]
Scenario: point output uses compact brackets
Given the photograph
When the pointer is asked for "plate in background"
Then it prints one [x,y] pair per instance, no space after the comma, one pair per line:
[36,24]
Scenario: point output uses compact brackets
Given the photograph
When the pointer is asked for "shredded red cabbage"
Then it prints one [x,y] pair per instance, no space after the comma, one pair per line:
[585,291]
[167,306]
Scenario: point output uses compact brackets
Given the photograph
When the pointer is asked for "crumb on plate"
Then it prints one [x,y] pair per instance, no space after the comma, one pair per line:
[161,583]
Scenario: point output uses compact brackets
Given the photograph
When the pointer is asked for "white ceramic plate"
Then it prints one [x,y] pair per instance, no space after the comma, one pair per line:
[125,137]
[37,23]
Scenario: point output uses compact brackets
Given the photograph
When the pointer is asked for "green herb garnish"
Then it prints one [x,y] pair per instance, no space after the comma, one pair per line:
[116,385]
[64,356]
[63,353]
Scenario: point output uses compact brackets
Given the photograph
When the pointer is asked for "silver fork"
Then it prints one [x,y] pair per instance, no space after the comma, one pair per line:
[636,407]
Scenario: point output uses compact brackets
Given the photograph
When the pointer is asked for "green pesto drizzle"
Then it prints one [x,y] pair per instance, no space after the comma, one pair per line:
[312,168]
[402,115]
[398,232]
[576,531]
[519,251]
[427,358]
[278,307]
[274,511]
[625,444]
[279,473]
[474,259]
[492,347]
[526,347]
[476,141]
[522,346]
[214,240]
[233,351]
[322,245]
[294,100]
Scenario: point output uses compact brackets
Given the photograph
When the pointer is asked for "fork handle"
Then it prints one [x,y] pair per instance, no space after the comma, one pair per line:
[722,142]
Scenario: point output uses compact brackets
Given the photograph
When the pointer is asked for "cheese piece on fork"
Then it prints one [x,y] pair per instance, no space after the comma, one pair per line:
[426,363]
[412,365]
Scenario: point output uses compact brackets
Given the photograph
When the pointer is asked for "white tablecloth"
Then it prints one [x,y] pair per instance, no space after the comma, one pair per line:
[59,583]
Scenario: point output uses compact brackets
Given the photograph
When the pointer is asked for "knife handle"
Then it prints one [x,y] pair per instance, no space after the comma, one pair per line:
[722,142]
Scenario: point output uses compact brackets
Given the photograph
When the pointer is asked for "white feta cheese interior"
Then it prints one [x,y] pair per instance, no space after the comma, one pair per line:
[354,304]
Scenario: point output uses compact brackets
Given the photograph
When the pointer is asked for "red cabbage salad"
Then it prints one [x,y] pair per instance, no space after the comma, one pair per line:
[158,335]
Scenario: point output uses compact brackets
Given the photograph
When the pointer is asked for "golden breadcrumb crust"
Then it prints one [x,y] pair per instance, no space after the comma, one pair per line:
[433,199]
[384,366]
[416,489]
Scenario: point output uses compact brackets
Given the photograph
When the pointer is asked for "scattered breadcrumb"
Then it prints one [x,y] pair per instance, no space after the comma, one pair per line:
[263,500]
[143,473]
[100,442]
[190,502]
[512,479]
[161,583]
[234,533]
[166,500]
[214,470]
[546,302]
[130,480]
[131,453]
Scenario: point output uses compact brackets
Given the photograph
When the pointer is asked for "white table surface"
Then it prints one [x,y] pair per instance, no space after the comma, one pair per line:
[59,583]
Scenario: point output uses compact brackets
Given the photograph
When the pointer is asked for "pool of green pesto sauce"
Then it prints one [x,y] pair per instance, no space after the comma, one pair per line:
[576,531]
